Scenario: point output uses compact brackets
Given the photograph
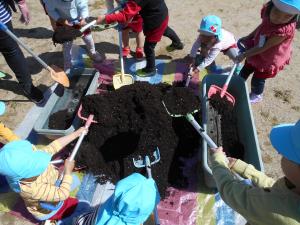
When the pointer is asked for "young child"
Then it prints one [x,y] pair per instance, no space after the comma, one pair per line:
[155,25]
[269,45]
[132,203]
[267,201]
[71,13]
[29,172]
[136,26]
[5,132]
[212,40]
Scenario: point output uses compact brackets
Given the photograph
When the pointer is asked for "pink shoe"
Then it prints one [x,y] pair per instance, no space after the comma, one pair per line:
[126,52]
[255,98]
[139,53]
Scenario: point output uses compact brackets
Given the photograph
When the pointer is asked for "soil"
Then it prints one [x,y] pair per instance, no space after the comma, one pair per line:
[132,123]
[222,126]
[61,120]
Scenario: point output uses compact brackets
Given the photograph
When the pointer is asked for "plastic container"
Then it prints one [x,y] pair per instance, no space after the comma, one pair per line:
[245,122]
[82,80]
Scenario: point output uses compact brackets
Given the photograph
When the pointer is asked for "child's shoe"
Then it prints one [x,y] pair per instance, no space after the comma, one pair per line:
[254,98]
[175,46]
[34,94]
[126,52]
[139,53]
[96,57]
[146,72]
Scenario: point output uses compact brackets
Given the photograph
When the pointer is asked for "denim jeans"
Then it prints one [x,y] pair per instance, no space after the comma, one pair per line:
[15,58]
[257,84]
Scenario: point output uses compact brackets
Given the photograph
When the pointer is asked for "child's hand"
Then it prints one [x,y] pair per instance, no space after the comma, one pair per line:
[217,150]
[69,166]
[231,162]
[240,57]
[195,72]
[64,22]
[81,130]
[101,19]
[82,22]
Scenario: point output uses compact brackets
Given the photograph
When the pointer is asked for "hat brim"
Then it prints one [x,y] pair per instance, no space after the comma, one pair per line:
[286,7]
[281,139]
[2,108]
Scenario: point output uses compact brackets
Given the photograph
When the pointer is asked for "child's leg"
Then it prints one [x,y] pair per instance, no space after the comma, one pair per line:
[176,42]
[149,48]
[139,45]
[125,40]
[246,71]
[257,85]
[89,42]
[67,48]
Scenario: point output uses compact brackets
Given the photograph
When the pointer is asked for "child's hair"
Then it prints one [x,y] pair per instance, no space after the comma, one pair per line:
[269,7]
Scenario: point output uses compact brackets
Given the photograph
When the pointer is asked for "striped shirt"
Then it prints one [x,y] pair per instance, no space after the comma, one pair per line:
[5,12]
[43,188]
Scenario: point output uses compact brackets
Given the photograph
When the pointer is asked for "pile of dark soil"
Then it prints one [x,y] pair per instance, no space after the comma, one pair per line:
[61,120]
[222,126]
[132,123]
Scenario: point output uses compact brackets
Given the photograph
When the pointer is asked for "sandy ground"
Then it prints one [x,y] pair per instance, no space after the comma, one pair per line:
[282,94]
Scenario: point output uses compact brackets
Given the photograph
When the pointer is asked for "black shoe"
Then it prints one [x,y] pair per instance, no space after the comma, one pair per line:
[175,46]
[35,95]
[59,90]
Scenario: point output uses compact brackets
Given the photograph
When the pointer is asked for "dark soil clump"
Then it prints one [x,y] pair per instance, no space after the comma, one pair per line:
[132,123]
[61,120]
[222,126]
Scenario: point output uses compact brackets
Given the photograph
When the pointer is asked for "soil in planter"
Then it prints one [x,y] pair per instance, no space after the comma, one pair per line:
[132,123]
[222,126]
[61,120]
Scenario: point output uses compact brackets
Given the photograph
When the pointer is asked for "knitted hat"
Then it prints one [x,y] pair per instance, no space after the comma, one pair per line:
[18,160]
[132,203]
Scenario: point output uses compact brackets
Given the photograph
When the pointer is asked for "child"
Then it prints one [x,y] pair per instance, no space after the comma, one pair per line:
[269,45]
[71,13]
[155,25]
[30,173]
[268,201]
[212,40]
[135,26]
[6,133]
[132,203]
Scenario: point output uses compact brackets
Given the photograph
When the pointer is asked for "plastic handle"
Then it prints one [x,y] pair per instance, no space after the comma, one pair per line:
[200,130]
[121,54]
[3,26]
[225,86]
[87,26]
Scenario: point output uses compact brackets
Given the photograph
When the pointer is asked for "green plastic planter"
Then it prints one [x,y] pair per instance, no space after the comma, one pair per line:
[245,123]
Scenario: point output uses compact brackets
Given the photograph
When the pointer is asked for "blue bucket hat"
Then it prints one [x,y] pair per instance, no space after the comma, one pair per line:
[2,108]
[211,25]
[132,203]
[18,160]
[288,6]
[285,138]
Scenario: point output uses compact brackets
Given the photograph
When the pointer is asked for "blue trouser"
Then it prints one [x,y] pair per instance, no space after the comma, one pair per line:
[257,84]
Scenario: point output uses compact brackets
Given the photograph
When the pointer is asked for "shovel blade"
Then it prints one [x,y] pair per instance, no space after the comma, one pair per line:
[118,82]
[214,89]
[59,76]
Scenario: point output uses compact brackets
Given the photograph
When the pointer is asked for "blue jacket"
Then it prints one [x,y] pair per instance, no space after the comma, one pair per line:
[70,11]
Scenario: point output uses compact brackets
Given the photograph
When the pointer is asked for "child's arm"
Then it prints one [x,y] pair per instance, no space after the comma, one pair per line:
[51,193]
[130,10]
[7,133]
[83,9]
[195,47]
[272,41]
[60,143]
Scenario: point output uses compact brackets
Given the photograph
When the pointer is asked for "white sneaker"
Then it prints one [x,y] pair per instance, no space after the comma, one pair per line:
[254,98]
[96,57]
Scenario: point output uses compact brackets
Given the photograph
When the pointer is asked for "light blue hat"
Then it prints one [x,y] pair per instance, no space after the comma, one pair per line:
[211,25]
[288,6]
[132,203]
[285,138]
[18,160]
[2,108]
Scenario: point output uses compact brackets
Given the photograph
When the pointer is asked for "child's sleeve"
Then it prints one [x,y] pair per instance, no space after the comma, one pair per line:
[50,193]
[52,148]
[7,133]
[258,178]
[51,9]
[130,10]
[195,48]
[211,56]
[83,9]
